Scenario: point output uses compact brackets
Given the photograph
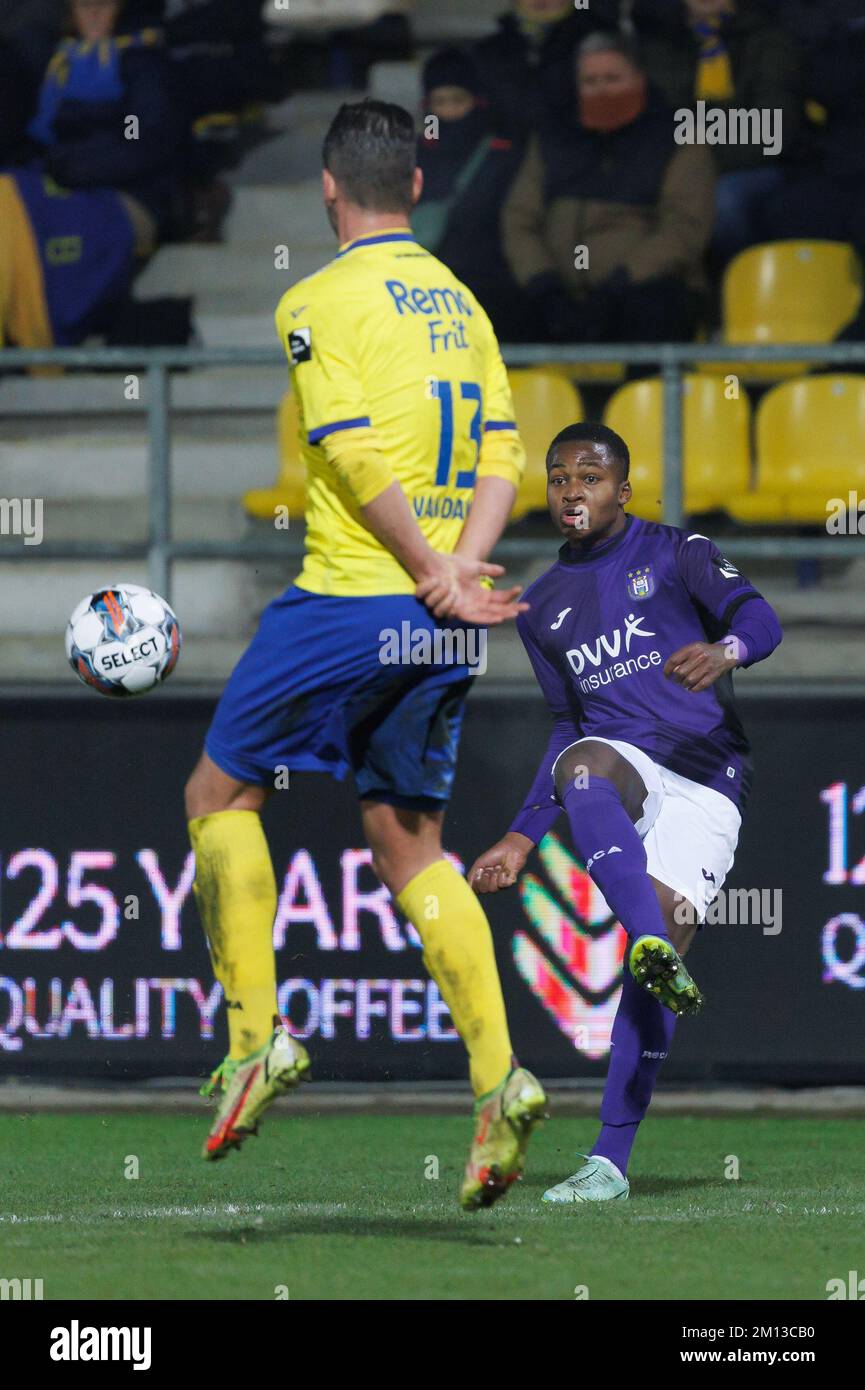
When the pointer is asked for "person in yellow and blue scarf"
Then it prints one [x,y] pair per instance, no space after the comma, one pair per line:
[106,116]
[78,219]
[729,53]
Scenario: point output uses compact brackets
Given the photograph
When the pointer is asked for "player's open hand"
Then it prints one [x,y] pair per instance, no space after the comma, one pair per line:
[500,866]
[453,590]
[699,665]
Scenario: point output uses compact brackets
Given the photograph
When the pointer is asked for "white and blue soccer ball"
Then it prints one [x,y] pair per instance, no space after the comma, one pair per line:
[123,640]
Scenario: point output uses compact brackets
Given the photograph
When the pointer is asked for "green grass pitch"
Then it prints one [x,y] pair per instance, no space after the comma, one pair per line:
[341,1207]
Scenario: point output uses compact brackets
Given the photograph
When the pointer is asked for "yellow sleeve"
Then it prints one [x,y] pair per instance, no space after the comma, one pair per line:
[502,454]
[328,383]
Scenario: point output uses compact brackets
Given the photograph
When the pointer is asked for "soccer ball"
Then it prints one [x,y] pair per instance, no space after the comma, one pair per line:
[123,640]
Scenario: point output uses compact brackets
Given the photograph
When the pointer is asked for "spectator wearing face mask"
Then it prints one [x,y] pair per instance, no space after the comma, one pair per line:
[467,172]
[728,53]
[607,222]
[527,68]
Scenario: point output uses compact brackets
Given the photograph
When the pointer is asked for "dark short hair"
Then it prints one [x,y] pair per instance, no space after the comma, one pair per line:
[585,433]
[371,151]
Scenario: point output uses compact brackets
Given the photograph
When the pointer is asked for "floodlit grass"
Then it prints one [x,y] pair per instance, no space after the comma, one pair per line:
[339,1207]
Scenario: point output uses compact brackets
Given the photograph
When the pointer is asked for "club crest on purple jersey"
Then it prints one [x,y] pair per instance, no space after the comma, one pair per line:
[641,582]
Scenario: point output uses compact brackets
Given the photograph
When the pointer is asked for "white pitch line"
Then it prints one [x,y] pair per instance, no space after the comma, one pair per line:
[259,1209]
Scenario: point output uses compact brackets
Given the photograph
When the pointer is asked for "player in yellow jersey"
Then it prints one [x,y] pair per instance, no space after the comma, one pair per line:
[406,419]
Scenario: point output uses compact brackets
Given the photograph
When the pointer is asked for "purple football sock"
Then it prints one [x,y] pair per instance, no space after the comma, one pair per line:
[641,1037]
[608,844]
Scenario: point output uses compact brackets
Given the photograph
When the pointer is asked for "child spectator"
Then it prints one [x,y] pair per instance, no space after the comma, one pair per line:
[467,173]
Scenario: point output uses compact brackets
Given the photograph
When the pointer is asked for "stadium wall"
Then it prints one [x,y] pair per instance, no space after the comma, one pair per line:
[104,972]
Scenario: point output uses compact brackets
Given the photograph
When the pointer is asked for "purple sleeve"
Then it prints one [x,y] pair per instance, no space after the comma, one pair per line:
[713,581]
[755,626]
[716,584]
[539,811]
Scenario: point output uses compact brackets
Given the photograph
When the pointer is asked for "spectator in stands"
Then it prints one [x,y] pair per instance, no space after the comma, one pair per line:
[727,53]
[467,173]
[78,222]
[608,219]
[32,28]
[527,68]
[29,30]
[96,86]
[218,52]
[822,196]
[66,259]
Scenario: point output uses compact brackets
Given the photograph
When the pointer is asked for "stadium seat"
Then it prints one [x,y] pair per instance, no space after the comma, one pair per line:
[716,443]
[600,373]
[290,487]
[787,292]
[544,402]
[810,446]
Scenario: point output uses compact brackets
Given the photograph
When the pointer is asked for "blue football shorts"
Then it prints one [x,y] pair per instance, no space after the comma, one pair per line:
[311,693]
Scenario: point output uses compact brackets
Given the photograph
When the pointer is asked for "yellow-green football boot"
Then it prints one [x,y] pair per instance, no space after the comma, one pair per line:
[504,1120]
[657,966]
[249,1086]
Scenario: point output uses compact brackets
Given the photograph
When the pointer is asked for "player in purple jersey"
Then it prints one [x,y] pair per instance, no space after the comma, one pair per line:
[633,635]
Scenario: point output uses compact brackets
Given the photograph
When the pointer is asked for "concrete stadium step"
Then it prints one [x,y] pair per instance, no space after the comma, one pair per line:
[292,153]
[216,598]
[222,458]
[223,272]
[266,214]
[226,325]
[213,389]
[205,660]
[126,520]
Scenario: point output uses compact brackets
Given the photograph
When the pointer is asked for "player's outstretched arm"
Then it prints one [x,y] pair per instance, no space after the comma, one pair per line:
[501,865]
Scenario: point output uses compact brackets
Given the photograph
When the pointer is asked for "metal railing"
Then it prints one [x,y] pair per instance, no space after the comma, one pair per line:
[161,551]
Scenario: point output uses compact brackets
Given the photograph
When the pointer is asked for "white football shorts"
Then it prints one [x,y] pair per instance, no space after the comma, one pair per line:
[689,831]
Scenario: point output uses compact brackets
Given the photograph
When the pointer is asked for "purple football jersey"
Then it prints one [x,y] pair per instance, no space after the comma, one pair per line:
[600,626]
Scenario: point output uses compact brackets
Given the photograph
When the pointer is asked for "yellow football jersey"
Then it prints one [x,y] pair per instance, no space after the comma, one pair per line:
[398,375]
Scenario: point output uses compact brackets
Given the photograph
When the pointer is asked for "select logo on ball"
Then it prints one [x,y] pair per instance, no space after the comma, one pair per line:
[123,640]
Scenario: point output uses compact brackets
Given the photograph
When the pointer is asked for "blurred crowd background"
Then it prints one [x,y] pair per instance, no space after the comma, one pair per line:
[554,131]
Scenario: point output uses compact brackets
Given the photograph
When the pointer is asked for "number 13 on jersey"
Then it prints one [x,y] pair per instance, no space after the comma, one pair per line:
[450,396]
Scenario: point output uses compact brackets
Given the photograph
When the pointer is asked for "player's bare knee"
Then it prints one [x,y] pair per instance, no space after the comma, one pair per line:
[572,770]
[193,796]
[209,790]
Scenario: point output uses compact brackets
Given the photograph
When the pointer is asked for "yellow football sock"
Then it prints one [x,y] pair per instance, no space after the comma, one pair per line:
[458,953]
[236,892]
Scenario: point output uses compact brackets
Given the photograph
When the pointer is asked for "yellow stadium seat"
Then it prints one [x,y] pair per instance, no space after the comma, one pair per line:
[810,446]
[716,442]
[544,403]
[787,292]
[289,489]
